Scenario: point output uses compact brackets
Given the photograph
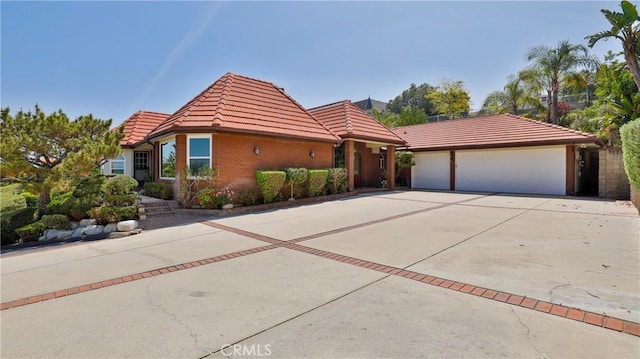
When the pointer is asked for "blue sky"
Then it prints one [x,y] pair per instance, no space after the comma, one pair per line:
[114,58]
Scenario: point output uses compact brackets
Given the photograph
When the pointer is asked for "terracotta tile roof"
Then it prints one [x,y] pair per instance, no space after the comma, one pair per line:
[242,104]
[349,121]
[139,125]
[488,131]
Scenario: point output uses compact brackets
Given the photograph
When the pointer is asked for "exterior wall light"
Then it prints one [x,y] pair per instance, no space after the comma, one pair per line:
[256,150]
[312,154]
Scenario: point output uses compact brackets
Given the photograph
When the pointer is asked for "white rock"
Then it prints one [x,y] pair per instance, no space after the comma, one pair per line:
[126,226]
[87,222]
[111,227]
[227,206]
[93,229]
[64,234]
[42,238]
[51,233]
[78,232]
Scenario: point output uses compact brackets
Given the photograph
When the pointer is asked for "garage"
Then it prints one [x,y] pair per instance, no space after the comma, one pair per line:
[498,153]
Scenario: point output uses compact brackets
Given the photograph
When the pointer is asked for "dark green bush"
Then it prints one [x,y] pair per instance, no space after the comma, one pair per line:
[81,206]
[106,214]
[90,186]
[31,199]
[317,182]
[248,197]
[10,221]
[630,134]
[56,221]
[126,199]
[337,180]
[270,183]
[205,198]
[295,177]
[61,204]
[30,232]
[120,184]
[160,190]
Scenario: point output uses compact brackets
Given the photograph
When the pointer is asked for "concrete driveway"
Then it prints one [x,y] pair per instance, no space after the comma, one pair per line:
[396,274]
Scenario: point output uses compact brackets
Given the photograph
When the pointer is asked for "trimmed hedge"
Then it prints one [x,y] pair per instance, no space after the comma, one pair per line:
[317,182]
[56,221]
[630,134]
[337,180]
[270,183]
[120,184]
[10,221]
[160,190]
[30,232]
[125,199]
[106,214]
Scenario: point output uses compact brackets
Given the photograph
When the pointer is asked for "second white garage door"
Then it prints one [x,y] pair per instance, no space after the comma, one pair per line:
[536,170]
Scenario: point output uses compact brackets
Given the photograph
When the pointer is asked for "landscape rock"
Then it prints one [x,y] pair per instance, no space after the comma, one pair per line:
[74,225]
[93,229]
[78,232]
[87,222]
[42,238]
[51,234]
[111,227]
[65,234]
[227,206]
[124,234]
[126,226]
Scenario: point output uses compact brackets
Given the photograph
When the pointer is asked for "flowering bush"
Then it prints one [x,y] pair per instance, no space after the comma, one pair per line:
[212,198]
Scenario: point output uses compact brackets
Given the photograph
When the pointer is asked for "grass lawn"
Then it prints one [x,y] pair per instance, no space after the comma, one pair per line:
[10,198]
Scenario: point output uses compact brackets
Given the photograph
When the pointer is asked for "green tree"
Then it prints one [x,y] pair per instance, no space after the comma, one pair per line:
[414,96]
[625,26]
[450,98]
[514,96]
[43,149]
[550,65]
[408,116]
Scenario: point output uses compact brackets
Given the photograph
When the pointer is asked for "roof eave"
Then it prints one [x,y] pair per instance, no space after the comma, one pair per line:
[504,145]
[210,129]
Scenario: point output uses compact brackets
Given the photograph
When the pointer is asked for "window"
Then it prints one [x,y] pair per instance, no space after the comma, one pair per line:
[141,160]
[168,159]
[199,153]
[117,165]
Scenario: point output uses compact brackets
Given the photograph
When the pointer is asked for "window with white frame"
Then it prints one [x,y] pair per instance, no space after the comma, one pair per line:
[168,159]
[198,153]
[118,165]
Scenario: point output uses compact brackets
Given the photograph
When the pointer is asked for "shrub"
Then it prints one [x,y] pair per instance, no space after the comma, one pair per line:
[337,180]
[222,197]
[190,180]
[317,182]
[90,186]
[205,198]
[106,214]
[125,199]
[248,197]
[158,190]
[630,134]
[295,176]
[81,206]
[10,221]
[212,198]
[61,204]
[270,183]
[120,184]
[56,221]
[30,232]
[31,200]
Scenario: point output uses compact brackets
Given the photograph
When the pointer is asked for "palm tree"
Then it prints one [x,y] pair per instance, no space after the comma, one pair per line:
[554,63]
[514,96]
[538,81]
[625,26]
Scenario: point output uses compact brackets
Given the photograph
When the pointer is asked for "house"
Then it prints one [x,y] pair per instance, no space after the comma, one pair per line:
[368,105]
[135,160]
[239,125]
[368,148]
[502,153]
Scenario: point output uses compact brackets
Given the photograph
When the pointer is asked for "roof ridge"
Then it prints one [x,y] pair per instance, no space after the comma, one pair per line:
[347,119]
[370,116]
[217,117]
[156,112]
[327,105]
[551,125]
[303,109]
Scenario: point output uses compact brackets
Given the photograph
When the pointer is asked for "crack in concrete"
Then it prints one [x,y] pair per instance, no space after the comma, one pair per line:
[173,317]
[533,345]
[557,287]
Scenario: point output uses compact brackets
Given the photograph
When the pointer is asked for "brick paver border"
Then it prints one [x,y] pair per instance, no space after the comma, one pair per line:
[576,314]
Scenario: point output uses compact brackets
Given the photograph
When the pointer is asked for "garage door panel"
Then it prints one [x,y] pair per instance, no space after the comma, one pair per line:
[539,170]
[431,171]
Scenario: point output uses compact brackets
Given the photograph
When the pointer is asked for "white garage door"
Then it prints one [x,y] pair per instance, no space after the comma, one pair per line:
[431,170]
[537,170]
